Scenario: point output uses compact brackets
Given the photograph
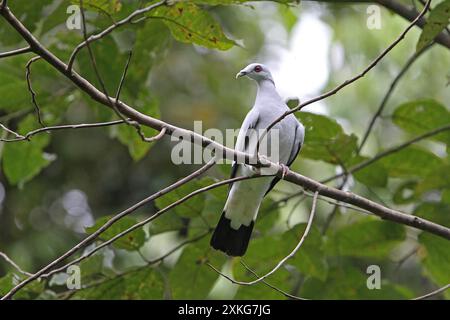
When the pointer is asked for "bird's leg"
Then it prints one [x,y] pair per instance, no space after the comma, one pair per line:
[284,170]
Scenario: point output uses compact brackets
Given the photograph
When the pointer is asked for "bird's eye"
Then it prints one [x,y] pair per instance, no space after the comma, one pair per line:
[258,69]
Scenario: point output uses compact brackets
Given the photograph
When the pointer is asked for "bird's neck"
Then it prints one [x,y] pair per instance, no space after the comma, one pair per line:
[267,91]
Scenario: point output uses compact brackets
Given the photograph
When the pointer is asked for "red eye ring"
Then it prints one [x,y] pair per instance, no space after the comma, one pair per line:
[258,69]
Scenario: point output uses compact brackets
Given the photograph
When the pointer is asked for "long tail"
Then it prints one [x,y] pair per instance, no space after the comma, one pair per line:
[231,241]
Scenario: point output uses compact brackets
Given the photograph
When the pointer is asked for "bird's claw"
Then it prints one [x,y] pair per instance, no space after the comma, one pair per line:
[284,170]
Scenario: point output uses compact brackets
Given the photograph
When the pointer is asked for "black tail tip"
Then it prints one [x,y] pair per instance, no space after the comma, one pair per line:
[231,241]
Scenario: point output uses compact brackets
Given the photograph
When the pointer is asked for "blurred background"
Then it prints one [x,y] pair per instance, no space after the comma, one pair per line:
[83,175]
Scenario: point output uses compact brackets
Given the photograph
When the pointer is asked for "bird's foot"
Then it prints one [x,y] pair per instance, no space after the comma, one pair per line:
[284,170]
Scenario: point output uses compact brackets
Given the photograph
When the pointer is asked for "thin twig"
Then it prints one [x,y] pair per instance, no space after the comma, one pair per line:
[15,52]
[28,135]
[18,136]
[290,255]
[388,94]
[425,296]
[105,226]
[15,265]
[124,74]
[358,76]
[288,295]
[146,221]
[103,86]
[30,89]
[389,151]
[108,30]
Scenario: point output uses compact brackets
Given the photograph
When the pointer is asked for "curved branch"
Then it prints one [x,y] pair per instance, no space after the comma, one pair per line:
[282,261]
[27,136]
[15,52]
[425,296]
[110,222]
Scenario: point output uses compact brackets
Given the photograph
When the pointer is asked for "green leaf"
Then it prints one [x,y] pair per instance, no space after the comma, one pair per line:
[146,283]
[191,208]
[411,161]
[434,251]
[365,238]
[103,6]
[310,259]
[29,292]
[435,257]
[191,278]
[190,24]
[29,13]
[437,21]
[433,211]
[374,174]
[325,140]
[437,179]
[421,116]
[131,241]
[23,160]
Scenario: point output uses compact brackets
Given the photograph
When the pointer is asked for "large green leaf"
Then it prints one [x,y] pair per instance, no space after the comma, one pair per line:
[145,283]
[310,259]
[190,24]
[437,179]
[374,174]
[31,291]
[434,251]
[365,238]
[191,208]
[191,278]
[411,161]
[131,241]
[102,6]
[23,160]
[421,116]
[437,21]
[29,13]
[325,139]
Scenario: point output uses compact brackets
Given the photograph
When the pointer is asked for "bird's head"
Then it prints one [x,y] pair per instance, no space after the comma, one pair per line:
[256,71]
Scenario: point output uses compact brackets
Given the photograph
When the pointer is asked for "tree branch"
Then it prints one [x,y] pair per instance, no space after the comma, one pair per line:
[30,89]
[433,293]
[110,222]
[108,30]
[358,76]
[389,151]
[409,13]
[388,94]
[15,265]
[28,135]
[14,52]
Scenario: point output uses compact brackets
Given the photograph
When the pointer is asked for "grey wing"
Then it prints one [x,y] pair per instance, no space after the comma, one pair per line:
[297,145]
[250,122]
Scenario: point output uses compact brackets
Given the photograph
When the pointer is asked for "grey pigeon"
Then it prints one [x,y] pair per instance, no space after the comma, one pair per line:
[235,226]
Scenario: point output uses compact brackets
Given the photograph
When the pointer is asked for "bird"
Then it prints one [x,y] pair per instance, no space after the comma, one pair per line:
[234,228]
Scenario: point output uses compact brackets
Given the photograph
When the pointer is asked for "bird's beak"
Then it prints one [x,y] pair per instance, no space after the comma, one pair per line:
[241,74]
